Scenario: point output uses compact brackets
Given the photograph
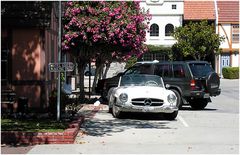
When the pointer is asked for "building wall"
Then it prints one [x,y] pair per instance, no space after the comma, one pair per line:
[27,64]
[32,49]
[163,14]
[32,43]
[235,60]
[163,7]
[162,21]
[225,31]
[230,49]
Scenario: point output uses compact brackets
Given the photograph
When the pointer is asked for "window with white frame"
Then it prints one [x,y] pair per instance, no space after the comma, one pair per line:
[154,30]
[169,29]
[235,33]
[174,7]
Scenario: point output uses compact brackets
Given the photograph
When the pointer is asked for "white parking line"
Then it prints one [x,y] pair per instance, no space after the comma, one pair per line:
[183,121]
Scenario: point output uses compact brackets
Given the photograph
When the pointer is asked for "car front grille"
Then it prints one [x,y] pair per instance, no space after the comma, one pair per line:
[147,102]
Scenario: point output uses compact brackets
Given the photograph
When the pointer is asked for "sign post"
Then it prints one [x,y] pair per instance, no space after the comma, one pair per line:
[60,67]
[59,56]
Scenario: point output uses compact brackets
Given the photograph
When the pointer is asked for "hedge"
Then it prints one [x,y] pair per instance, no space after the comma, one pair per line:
[230,72]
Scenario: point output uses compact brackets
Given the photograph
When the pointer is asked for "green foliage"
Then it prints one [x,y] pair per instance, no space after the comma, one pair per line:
[197,39]
[230,72]
[161,49]
[36,125]
[130,62]
[154,48]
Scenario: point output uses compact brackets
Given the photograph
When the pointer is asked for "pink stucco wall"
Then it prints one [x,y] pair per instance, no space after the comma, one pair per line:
[27,64]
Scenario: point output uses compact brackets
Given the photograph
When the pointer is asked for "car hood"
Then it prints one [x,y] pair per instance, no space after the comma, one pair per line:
[143,91]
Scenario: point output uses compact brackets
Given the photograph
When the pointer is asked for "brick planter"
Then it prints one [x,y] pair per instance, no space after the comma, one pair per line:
[32,138]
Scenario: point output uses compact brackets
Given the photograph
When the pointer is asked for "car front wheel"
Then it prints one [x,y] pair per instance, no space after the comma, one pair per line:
[179,100]
[115,112]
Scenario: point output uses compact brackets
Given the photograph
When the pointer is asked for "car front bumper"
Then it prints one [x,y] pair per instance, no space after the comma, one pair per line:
[149,109]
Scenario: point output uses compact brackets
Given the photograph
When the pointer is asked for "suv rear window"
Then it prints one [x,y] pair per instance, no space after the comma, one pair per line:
[200,69]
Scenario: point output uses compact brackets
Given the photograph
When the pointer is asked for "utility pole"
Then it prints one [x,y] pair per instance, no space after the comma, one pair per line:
[59,60]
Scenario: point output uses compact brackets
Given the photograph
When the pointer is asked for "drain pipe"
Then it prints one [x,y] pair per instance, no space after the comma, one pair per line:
[218,70]
[216,15]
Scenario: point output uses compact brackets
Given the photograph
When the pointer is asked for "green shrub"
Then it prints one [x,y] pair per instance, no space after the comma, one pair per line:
[230,72]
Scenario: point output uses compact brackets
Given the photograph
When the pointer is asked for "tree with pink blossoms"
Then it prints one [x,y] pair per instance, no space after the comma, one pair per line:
[103,30]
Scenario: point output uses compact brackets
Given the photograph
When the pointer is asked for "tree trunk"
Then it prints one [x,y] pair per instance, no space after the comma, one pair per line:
[81,66]
[98,73]
[106,70]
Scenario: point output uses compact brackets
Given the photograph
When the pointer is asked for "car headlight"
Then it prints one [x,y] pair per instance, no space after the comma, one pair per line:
[171,98]
[123,97]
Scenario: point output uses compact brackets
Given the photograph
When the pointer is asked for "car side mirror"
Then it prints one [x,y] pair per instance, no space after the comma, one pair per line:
[167,86]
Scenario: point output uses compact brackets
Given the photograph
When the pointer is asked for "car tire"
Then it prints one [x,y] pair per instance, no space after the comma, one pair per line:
[179,99]
[212,82]
[198,104]
[116,113]
[171,116]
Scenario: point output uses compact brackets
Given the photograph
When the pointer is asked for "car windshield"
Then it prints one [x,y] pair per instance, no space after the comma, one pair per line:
[201,69]
[141,80]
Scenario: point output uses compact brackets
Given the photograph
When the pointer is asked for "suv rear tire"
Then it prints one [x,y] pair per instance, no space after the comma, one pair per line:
[198,104]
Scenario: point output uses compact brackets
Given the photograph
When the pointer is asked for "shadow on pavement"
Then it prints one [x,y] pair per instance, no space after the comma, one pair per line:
[15,149]
[188,108]
[101,127]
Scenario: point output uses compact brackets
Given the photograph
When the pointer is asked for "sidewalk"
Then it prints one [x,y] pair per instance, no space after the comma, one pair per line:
[88,111]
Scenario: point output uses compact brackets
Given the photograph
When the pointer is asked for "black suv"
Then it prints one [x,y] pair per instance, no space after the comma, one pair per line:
[193,82]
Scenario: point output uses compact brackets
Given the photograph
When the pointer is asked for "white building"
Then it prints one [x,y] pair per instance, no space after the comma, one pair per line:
[166,14]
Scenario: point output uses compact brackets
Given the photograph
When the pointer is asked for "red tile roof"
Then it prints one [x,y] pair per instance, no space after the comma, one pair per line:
[228,11]
[199,10]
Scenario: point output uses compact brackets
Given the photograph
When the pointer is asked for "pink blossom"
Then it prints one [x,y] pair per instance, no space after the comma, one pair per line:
[105,9]
[111,14]
[94,23]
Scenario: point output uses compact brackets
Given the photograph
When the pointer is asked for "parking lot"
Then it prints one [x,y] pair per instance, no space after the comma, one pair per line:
[213,130]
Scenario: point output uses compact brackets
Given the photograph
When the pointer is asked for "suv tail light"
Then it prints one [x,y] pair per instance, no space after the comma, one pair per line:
[193,84]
